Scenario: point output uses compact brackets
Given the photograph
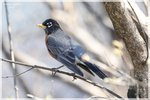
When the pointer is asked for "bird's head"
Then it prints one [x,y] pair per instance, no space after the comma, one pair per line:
[49,25]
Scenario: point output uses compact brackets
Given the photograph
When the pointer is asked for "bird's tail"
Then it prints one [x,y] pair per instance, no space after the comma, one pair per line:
[95,69]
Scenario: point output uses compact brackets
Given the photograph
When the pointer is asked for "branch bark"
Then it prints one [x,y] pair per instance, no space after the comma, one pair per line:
[11,50]
[135,44]
[65,73]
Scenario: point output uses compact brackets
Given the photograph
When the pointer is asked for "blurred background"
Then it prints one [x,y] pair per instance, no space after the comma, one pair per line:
[88,23]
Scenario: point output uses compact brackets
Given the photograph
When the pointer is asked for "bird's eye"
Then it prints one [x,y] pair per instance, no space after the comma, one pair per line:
[49,24]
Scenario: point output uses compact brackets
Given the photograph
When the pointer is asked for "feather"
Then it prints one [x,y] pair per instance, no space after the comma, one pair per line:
[85,68]
[69,64]
[95,69]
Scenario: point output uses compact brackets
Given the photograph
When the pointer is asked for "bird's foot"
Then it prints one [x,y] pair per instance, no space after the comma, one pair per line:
[55,70]
[74,76]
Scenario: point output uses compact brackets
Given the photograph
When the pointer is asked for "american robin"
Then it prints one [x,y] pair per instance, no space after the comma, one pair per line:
[66,50]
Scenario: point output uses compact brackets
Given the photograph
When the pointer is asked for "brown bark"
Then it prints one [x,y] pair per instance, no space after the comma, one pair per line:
[135,44]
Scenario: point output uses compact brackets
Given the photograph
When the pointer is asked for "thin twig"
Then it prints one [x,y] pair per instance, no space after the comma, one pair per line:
[96,97]
[65,73]
[11,49]
[17,74]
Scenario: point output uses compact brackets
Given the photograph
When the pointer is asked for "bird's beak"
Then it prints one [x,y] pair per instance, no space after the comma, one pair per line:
[41,26]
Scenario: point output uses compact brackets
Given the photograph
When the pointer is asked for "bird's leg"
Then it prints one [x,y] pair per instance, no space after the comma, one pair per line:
[55,70]
[74,77]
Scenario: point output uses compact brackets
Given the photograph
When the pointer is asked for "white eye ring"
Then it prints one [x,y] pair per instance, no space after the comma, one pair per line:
[49,24]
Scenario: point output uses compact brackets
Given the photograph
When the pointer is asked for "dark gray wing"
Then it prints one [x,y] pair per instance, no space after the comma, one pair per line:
[69,61]
[53,47]
[63,53]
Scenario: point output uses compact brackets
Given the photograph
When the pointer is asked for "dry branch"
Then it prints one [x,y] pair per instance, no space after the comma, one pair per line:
[11,50]
[65,73]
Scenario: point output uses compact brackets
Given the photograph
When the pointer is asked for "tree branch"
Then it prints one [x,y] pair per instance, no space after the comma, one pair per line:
[11,49]
[65,73]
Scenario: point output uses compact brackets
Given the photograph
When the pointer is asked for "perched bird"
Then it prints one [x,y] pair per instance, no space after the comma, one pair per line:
[66,50]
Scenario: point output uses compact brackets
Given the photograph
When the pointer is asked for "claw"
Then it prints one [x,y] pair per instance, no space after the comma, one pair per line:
[74,77]
[54,70]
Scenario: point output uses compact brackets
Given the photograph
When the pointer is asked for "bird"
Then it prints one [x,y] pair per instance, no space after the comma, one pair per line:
[65,49]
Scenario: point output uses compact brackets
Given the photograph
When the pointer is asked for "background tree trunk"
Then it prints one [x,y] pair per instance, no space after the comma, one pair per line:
[136,45]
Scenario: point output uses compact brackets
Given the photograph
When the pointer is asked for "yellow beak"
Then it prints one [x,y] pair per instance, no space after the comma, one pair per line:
[41,26]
